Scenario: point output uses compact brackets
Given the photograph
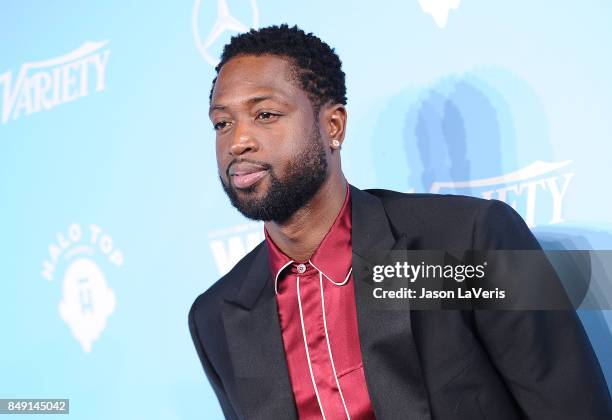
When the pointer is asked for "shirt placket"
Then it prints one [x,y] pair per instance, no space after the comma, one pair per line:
[310,296]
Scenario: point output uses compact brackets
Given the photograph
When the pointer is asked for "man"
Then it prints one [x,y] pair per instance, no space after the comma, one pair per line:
[287,332]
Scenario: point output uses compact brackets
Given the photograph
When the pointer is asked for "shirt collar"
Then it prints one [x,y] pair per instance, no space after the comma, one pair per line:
[333,256]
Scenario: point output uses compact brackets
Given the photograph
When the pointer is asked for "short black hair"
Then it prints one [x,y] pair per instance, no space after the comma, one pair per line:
[318,67]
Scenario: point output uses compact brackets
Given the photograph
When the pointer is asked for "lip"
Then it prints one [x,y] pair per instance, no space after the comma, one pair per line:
[244,174]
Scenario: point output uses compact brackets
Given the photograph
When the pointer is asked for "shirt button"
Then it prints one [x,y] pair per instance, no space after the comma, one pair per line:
[301,268]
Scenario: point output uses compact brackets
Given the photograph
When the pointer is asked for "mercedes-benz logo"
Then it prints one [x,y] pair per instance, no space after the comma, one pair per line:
[224,22]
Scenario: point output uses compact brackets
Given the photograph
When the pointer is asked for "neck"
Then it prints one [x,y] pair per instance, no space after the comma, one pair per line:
[301,234]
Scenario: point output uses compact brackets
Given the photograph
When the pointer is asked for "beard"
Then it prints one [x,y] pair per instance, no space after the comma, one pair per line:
[306,172]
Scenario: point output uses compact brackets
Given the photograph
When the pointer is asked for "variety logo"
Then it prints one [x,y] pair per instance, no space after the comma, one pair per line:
[439,9]
[43,85]
[541,185]
[87,301]
[224,22]
[230,245]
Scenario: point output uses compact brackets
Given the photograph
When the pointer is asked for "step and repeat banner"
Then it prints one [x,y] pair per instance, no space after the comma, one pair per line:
[112,216]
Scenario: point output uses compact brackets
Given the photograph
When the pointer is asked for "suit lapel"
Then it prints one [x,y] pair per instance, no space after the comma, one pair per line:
[255,345]
[390,358]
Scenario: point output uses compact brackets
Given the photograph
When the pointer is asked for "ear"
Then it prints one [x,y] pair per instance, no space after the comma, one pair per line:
[333,118]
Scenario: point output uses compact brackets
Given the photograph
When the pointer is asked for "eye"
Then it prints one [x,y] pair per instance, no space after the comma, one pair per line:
[220,125]
[266,116]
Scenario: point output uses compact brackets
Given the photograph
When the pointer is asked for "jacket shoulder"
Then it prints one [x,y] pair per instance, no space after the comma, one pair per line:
[428,201]
[430,209]
[447,221]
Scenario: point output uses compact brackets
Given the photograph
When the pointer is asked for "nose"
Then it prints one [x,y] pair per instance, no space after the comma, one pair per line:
[242,141]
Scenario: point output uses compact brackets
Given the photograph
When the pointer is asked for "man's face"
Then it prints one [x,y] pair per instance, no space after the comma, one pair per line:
[270,155]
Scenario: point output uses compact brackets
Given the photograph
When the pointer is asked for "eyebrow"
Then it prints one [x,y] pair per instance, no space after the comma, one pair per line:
[251,101]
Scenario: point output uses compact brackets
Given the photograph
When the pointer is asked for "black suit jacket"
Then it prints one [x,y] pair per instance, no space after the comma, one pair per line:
[418,364]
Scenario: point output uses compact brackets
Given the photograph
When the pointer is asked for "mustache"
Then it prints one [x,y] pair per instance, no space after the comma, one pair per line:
[264,165]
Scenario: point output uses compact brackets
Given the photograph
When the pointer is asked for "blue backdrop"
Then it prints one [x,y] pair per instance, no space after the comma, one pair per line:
[112,217]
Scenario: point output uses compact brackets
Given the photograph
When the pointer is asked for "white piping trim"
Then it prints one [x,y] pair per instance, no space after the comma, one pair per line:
[278,274]
[306,347]
[328,278]
[329,347]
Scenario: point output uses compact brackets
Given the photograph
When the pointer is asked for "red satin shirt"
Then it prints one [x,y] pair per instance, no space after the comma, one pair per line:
[318,318]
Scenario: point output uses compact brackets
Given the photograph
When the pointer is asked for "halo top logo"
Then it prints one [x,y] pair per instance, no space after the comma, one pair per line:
[43,85]
[87,301]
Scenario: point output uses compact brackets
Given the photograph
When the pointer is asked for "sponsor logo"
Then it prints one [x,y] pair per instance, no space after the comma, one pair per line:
[539,186]
[439,9]
[229,245]
[224,22]
[87,301]
[42,85]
